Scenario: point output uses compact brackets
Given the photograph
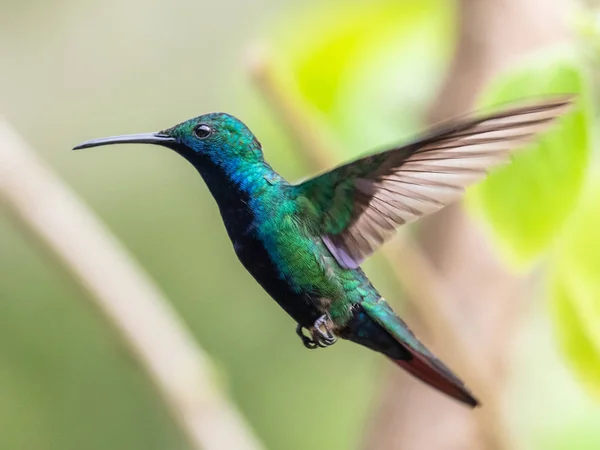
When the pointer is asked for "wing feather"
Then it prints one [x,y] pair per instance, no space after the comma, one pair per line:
[363,202]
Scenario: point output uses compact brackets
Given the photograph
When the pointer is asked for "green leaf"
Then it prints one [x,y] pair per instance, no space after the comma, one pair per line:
[574,337]
[525,203]
[575,290]
[368,67]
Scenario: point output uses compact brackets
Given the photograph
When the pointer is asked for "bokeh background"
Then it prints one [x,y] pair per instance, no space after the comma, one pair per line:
[521,256]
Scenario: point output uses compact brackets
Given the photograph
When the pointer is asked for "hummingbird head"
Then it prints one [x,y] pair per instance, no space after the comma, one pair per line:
[215,138]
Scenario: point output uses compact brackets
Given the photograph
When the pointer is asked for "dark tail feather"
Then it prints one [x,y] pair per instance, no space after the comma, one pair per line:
[437,378]
[382,330]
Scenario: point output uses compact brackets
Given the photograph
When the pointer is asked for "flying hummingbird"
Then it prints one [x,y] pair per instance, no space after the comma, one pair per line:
[304,243]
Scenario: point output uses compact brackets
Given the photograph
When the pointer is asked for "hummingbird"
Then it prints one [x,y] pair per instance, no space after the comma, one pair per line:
[304,242]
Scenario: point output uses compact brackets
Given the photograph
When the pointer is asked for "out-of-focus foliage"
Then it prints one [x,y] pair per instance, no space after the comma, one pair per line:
[526,205]
[368,69]
[575,290]
[526,202]
[530,208]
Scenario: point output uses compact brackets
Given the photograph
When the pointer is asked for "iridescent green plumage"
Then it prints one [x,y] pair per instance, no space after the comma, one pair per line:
[304,243]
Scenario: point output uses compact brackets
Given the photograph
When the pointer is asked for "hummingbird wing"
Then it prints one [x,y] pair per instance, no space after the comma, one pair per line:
[422,363]
[360,204]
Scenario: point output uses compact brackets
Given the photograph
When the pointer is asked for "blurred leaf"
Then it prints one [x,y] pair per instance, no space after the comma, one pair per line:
[572,332]
[526,202]
[366,68]
[575,290]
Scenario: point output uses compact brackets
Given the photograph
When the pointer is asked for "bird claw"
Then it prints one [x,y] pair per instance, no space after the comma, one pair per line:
[308,342]
[321,334]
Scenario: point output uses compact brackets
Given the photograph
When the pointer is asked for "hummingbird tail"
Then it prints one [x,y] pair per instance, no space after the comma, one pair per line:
[427,372]
[409,353]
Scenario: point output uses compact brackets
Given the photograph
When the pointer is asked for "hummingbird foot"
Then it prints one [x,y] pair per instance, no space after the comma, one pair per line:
[321,332]
[308,342]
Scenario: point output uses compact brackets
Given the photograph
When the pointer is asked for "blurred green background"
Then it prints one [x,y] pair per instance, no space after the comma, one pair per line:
[366,71]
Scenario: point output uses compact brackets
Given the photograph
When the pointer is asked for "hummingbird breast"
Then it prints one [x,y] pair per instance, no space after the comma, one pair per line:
[281,250]
[255,244]
[300,305]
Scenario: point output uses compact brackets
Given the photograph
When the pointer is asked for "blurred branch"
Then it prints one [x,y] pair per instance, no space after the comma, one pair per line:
[426,288]
[131,303]
[297,124]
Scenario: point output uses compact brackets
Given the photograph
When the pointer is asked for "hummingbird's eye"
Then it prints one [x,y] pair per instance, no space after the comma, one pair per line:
[203,131]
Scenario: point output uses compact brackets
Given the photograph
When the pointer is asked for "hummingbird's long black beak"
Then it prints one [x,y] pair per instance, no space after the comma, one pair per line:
[142,138]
